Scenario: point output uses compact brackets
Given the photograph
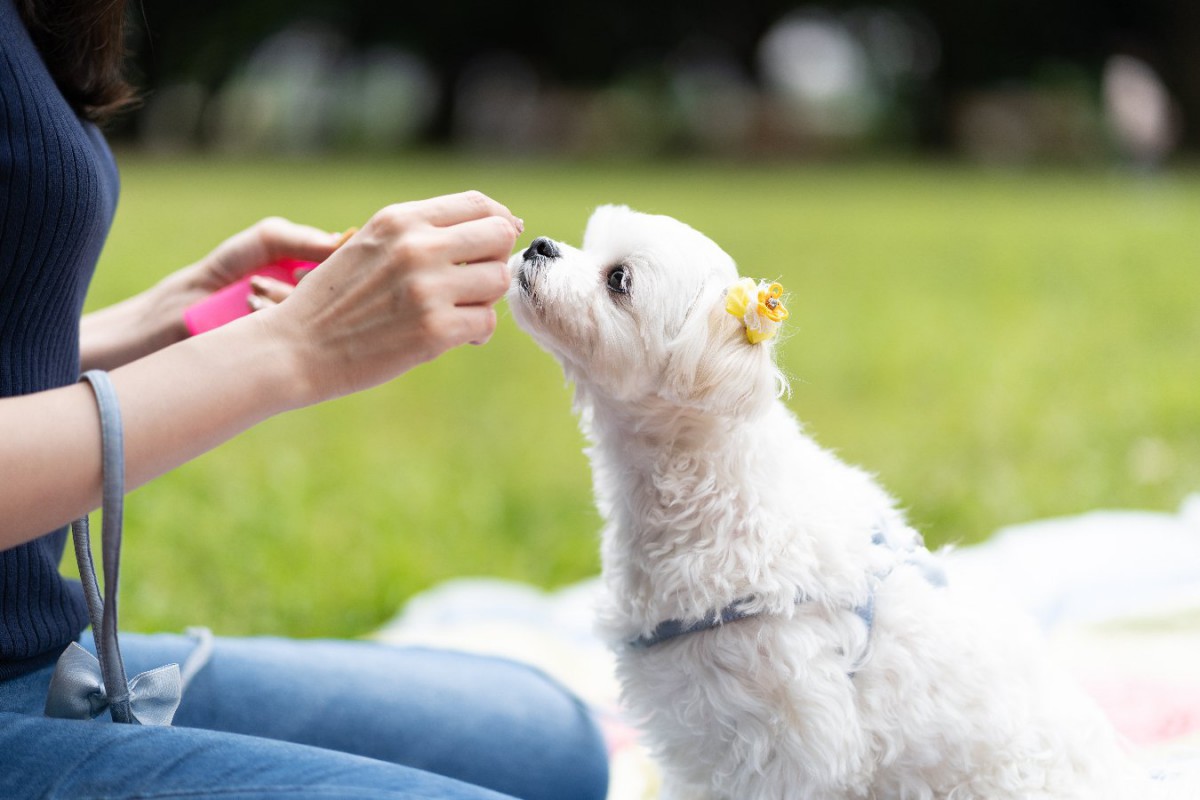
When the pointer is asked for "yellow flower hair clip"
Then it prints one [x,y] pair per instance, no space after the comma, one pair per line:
[759,307]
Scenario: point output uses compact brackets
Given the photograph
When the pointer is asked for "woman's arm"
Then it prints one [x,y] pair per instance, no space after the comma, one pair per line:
[176,404]
[419,279]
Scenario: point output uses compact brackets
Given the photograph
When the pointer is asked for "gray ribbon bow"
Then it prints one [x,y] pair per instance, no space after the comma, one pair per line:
[77,690]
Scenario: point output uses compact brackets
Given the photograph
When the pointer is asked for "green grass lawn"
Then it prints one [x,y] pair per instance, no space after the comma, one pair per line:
[998,347]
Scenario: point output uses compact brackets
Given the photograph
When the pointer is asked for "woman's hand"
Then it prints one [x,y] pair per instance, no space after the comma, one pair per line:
[417,280]
[154,319]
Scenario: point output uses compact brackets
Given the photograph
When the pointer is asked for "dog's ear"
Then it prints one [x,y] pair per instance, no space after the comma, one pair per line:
[605,225]
[714,366]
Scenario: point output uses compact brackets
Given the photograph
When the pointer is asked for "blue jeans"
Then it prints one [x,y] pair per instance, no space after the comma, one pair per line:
[275,718]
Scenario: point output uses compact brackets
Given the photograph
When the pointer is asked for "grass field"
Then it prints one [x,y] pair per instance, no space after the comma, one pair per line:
[996,346]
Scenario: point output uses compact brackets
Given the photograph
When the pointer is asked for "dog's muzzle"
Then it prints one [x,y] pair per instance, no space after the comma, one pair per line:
[535,257]
[542,248]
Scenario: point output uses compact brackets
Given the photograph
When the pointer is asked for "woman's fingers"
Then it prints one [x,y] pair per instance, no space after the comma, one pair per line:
[443,231]
[266,292]
[268,240]
[487,239]
[281,238]
[476,284]
[478,323]
[453,209]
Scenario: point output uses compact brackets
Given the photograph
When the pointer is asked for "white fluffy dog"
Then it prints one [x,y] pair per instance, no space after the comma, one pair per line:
[781,632]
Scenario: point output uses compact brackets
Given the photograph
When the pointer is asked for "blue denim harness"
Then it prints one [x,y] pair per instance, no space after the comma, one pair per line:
[735,611]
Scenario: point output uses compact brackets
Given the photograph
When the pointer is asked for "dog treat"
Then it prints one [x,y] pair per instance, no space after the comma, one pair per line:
[345,237]
[226,305]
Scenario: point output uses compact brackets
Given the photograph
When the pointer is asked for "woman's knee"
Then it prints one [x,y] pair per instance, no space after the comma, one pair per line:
[534,738]
[575,750]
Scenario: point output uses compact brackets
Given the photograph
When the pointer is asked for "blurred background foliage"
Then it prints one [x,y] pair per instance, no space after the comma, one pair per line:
[985,213]
[993,80]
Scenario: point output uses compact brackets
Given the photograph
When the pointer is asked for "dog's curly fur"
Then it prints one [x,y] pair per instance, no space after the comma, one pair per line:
[712,494]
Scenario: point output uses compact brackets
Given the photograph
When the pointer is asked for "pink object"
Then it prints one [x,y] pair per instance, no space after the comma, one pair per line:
[1148,711]
[232,302]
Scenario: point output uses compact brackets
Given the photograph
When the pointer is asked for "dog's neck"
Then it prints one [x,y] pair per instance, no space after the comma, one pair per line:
[645,430]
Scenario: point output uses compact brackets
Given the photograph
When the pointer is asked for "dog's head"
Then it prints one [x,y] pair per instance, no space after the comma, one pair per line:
[638,315]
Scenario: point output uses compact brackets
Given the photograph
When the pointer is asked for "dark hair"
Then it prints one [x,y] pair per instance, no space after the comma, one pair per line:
[83,45]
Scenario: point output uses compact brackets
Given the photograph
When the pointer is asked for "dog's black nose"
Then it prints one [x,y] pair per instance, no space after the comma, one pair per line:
[542,248]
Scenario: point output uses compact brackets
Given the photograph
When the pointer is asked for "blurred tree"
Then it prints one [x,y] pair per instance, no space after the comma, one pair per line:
[984,42]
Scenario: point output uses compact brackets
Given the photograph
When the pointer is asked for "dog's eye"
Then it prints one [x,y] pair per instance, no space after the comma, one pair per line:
[618,279]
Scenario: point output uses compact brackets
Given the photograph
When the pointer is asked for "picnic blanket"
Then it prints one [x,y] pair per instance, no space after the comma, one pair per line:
[1116,592]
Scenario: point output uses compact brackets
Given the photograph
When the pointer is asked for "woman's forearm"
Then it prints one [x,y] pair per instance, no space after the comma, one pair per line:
[176,404]
[133,328]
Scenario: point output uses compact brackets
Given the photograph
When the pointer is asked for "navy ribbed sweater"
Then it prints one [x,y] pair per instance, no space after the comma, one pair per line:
[58,191]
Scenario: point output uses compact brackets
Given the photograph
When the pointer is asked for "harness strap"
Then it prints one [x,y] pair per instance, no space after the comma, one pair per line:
[735,611]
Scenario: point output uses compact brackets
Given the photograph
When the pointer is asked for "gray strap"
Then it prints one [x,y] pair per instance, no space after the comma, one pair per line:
[81,537]
[112,436]
[83,685]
